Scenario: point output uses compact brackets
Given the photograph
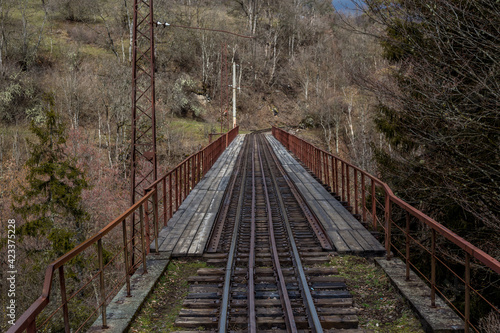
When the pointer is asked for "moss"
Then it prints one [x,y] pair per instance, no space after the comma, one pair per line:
[162,307]
[381,307]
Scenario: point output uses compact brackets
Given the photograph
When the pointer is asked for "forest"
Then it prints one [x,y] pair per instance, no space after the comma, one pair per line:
[408,90]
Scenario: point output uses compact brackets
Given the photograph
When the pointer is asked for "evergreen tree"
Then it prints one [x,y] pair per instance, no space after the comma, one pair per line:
[442,117]
[51,202]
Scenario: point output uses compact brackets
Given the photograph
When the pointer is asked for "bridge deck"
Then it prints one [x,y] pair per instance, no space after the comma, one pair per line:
[346,233]
[189,229]
[187,232]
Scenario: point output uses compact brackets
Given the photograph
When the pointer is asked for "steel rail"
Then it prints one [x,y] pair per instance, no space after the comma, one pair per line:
[252,318]
[311,156]
[216,234]
[313,317]
[316,226]
[223,318]
[285,300]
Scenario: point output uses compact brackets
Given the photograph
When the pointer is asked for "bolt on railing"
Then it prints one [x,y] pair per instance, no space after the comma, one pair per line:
[375,202]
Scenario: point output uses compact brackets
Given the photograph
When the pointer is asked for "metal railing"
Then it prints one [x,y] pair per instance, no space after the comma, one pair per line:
[79,285]
[407,232]
[175,186]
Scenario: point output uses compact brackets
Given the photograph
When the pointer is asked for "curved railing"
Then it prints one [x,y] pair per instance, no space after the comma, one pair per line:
[372,200]
[70,303]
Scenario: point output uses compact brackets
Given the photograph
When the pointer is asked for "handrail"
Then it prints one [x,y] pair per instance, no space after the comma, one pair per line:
[189,171]
[445,232]
[187,174]
[349,181]
[28,317]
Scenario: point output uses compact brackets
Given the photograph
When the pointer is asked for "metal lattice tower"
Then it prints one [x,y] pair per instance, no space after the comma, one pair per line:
[143,147]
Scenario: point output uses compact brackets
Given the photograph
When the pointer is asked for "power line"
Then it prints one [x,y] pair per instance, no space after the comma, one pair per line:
[198,28]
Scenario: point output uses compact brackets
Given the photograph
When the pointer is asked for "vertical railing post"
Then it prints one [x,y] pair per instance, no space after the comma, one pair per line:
[388,226]
[164,193]
[143,245]
[407,255]
[193,168]
[125,257]
[195,172]
[433,268]
[374,207]
[342,166]
[101,282]
[467,292]
[170,194]
[348,184]
[327,170]
[337,192]
[64,301]
[147,232]
[183,182]
[363,196]
[309,157]
[199,170]
[186,177]
[316,162]
[356,201]
[320,164]
[155,220]
[176,188]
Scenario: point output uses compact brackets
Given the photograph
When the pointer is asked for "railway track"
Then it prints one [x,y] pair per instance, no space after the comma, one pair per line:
[268,253]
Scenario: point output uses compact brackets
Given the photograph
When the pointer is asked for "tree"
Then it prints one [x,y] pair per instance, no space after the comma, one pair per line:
[441,118]
[51,202]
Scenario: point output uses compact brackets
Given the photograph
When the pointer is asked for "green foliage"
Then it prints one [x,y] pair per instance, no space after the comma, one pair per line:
[183,97]
[401,35]
[442,120]
[51,202]
[77,11]
[18,98]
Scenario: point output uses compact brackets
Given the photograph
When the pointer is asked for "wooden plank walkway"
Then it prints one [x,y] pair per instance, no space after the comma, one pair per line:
[346,233]
[187,232]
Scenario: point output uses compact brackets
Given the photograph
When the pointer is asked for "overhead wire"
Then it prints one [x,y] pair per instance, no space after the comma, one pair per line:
[165,24]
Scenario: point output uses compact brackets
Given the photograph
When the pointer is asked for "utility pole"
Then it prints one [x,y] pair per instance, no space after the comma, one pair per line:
[234,94]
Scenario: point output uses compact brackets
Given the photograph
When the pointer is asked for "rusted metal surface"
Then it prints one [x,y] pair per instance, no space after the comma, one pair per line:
[313,318]
[316,226]
[351,180]
[252,324]
[146,210]
[264,250]
[143,125]
[285,300]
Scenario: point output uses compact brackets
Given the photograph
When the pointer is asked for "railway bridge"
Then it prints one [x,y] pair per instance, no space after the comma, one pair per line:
[267,210]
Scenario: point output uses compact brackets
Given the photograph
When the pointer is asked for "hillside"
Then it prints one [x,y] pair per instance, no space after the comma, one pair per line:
[414,101]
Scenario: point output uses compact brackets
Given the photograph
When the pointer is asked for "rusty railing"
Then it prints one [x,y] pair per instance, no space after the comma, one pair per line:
[90,275]
[372,201]
[175,186]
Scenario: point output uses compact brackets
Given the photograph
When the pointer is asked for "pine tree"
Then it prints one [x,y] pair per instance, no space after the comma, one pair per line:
[51,202]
